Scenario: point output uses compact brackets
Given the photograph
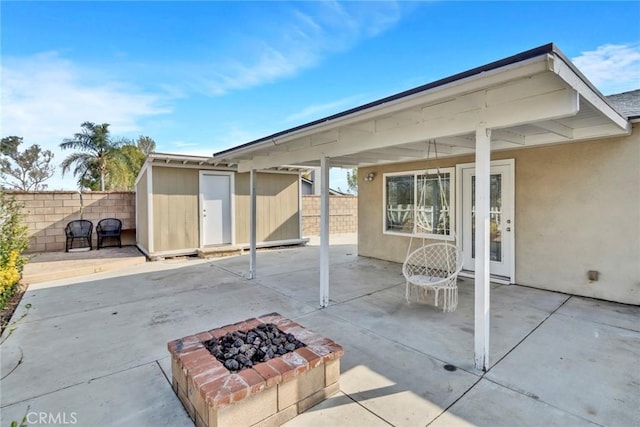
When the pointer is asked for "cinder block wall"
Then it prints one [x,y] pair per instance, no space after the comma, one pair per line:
[343,215]
[48,212]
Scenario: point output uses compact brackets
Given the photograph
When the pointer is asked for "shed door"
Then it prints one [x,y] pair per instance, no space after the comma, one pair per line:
[215,194]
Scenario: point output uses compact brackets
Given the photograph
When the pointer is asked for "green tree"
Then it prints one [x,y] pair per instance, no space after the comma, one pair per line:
[121,175]
[135,159]
[26,170]
[135,155]
[352,181]
[97,155]
[116,176]
[146,145]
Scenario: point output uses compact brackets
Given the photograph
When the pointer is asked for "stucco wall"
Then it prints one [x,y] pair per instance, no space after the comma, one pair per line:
[48,212]
[577,208]
[343,215]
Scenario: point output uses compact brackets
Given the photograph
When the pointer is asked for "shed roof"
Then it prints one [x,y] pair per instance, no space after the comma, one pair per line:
[168,159]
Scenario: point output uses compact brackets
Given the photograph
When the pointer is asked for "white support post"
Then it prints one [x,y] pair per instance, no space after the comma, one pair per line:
[252,223]
[150,245]
[324,231]
[300,205]
[482,277]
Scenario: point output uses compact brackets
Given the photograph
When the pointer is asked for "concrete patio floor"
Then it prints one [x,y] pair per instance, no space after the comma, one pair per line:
[48,266]
[95,346]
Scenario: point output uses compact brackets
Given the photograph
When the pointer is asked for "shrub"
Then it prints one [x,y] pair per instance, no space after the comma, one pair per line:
[13,242]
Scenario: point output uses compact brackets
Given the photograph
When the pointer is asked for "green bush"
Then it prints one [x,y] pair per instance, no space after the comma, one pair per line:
[13,242]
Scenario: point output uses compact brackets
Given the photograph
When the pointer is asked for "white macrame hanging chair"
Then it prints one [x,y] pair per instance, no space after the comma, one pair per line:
[432,270]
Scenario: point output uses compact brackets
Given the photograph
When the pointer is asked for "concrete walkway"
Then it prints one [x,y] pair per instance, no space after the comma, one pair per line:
[47,266]
[94,348]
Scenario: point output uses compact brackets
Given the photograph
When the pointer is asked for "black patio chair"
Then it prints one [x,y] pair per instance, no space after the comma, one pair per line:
[78,229]
[109,228]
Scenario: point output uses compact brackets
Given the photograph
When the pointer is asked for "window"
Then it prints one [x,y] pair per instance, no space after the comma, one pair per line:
[419,203]
[400,195]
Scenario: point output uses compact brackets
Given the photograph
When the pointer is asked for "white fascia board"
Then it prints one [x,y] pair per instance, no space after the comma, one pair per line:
[178,157]
[593,97]
[286,169]
[205,166]
[456,88]
[450,90]
[460,118]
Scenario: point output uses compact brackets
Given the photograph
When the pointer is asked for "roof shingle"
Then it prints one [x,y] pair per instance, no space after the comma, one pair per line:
[627,103]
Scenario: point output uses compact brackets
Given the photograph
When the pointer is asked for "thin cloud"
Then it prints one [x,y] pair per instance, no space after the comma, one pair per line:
[612,68]
[316,111]
[182,144]
[304,39]
[233,134]
[45,98]
[230,135]
[271,65]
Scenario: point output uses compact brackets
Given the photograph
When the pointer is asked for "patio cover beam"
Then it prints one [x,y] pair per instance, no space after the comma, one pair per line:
[482,279]
[324,231]
[451,118]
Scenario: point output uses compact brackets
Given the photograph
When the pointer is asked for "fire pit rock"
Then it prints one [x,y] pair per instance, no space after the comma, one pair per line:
[264,393]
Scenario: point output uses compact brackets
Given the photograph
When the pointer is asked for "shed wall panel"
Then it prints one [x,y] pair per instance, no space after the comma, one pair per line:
[277,214]
[175,208]
[142,227]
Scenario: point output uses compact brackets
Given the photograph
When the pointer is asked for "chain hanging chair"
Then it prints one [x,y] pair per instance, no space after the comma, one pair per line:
[432,270]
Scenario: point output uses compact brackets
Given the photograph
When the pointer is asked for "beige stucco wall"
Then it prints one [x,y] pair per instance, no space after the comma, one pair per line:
[142,225]
[175,208]
[577,208]
[277,209]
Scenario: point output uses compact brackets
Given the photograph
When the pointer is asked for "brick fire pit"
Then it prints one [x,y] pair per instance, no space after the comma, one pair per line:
[266,394]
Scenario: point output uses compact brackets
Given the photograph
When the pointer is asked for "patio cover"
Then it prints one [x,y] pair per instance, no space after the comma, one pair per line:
[533,98]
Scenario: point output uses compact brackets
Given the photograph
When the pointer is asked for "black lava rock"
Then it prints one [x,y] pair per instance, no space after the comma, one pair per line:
[242,349]
[231,364]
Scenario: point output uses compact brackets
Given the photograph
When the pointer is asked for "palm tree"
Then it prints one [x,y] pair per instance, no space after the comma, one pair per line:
[146,144]
[97,154]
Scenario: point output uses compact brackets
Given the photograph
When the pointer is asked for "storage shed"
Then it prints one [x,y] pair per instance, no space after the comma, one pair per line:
[188,204]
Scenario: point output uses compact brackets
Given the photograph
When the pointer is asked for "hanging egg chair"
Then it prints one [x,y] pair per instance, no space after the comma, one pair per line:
[431,270]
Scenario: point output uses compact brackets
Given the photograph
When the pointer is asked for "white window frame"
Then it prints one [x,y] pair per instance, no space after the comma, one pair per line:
[452,194]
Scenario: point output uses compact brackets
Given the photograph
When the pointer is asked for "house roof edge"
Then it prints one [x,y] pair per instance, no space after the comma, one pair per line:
[519,57]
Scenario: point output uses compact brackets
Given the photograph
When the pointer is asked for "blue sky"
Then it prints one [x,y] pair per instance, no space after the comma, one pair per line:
[202,76]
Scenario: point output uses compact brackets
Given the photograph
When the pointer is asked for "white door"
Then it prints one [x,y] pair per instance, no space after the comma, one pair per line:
[501,239]
[215,197]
